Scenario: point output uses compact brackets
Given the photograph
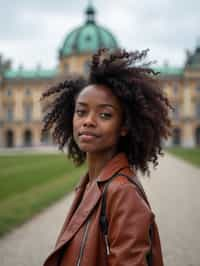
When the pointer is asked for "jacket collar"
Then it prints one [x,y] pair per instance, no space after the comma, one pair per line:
[117,163]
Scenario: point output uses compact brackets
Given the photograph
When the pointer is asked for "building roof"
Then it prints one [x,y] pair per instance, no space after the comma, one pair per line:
[88,38]
[30,74]
[167,70]
[51,73]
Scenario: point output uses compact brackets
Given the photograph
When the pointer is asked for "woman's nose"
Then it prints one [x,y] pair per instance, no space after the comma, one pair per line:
[89,120]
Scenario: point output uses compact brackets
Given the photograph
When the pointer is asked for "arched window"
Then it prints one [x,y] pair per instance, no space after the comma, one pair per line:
[27,138]
[176,137]
[46,138]
[197,136]
[9,137]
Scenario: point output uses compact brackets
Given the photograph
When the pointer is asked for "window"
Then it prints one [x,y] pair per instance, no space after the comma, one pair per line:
[45,138]
[198,89]
[176,111]
[27,113]
[197,136]
[9,137]
[9,92]
[88,38]
[27,138]
[175,89]
[176,138]
[198,110]
[66,67]
[27,91]
[10,114]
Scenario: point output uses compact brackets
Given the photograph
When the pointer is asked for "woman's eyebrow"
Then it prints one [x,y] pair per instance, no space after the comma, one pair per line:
[81,103]
[99,105]
[107,105]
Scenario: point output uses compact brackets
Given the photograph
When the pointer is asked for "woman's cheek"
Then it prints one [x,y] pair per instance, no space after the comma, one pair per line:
[75,129]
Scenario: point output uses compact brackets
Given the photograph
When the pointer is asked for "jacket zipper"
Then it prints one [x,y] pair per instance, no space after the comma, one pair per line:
[83,242]
[107,245]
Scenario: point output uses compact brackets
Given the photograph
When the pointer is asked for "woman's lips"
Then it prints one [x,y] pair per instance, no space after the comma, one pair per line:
[87,136]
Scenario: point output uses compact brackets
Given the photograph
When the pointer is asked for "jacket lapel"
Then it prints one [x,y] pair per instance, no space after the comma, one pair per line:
[80,211]
[72,224]
[75,203]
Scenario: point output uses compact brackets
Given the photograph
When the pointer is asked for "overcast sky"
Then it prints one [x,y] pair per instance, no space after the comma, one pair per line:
[32,31]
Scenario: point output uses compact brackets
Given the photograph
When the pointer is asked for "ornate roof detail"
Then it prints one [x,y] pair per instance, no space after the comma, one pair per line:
[193,59]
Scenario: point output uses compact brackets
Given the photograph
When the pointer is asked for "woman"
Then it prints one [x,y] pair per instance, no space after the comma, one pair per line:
[115,120]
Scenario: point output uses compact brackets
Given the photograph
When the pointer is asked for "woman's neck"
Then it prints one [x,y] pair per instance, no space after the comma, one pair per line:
[97,161]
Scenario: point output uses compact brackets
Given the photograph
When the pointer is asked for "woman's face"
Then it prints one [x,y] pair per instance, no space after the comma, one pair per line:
[97,120]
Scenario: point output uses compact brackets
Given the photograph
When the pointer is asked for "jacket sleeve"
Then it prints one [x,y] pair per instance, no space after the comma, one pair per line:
[129,221]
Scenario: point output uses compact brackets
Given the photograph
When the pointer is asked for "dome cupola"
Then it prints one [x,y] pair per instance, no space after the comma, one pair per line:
[87,38]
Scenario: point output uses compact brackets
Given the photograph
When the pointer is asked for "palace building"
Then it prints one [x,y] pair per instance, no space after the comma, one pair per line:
[20,90]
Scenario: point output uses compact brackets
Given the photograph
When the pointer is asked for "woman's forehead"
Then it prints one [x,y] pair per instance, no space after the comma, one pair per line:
[97,93]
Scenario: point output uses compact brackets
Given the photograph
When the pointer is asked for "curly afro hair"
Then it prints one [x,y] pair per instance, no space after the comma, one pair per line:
[136,85]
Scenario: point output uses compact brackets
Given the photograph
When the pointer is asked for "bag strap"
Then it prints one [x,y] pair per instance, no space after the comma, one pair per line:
[104,220]
[139,186]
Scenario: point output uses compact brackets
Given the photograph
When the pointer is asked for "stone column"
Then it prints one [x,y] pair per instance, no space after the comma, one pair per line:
[19,141]
[188,116]
[188,135]
[37,136]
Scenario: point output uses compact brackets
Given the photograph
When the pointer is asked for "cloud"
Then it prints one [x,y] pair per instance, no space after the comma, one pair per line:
[32,31]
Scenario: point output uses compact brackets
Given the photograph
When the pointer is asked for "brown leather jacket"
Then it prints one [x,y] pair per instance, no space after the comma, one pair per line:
[81,242]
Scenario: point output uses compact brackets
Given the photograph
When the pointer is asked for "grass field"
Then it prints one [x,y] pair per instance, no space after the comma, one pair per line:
[29,183]
[191,155]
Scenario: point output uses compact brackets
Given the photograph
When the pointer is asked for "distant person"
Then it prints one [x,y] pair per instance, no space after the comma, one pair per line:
[115,120]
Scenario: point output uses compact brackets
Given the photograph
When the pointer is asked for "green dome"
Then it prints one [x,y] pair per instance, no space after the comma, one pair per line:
[88,38]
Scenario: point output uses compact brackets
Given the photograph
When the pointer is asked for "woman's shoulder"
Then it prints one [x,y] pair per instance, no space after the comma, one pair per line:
[122,191]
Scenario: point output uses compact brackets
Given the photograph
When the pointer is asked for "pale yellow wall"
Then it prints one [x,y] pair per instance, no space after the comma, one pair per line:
[19,136]
[188,106]
[36,104]
[18,99]
[75,63]
[192,73]
[186,98]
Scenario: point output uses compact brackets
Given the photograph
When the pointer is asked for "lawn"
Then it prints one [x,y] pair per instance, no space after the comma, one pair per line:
[191,155]
[30,183]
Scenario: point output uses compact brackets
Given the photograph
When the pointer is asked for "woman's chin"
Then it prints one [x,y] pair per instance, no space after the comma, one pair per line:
[87,148]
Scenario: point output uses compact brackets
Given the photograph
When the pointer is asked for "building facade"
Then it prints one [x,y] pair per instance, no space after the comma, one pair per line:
[20,90]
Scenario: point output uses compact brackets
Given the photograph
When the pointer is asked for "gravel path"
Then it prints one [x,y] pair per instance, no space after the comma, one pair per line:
[173,192]
[30,244]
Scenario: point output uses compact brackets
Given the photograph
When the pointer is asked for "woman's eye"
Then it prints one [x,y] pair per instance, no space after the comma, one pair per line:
[105,115]
[80,112]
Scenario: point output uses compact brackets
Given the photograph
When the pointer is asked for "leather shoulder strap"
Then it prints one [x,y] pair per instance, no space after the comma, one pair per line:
[103,218]
[137,183]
